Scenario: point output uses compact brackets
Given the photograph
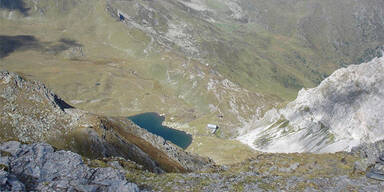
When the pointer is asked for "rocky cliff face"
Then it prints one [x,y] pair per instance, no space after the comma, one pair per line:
[32,113]
[345,110]
[38,167]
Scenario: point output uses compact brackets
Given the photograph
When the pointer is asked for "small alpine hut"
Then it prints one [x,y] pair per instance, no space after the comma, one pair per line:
[213,128]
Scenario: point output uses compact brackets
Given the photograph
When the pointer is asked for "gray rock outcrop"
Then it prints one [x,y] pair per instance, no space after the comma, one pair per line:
[371,159]
[345,110]
[38,167]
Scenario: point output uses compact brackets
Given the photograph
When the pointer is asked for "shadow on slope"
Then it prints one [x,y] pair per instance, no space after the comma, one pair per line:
[62,45]
[18,5]
[10,44]
[62,104]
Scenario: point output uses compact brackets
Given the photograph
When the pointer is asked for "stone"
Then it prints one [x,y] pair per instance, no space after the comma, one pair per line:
[11,147]
[39,167]
[375,175]
[9,182]
[115,164]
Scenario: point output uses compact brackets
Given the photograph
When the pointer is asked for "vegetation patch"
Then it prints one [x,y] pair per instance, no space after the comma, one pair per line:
[3,167]
[4,153]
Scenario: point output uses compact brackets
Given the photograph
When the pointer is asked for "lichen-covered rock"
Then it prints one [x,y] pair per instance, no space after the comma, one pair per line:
[371,159]
[369,153]
[9,182]
[39,167]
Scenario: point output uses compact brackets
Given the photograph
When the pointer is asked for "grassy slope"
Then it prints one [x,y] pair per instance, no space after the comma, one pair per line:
[270,172]
[293,44]
[130,82]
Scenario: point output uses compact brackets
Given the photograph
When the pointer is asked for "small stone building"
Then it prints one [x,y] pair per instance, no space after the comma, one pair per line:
[213,128]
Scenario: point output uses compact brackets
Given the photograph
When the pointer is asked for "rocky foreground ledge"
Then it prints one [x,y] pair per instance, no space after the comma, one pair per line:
[38,167]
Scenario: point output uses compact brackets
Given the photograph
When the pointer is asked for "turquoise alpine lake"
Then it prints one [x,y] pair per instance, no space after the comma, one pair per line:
[152,122]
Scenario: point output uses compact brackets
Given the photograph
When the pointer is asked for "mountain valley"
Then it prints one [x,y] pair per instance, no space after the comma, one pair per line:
[295,88]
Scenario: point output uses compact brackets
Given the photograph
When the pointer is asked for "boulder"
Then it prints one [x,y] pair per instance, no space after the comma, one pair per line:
[38,167]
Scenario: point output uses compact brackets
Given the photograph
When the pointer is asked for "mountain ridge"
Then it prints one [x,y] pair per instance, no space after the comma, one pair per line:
[344,111]
[30,112]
